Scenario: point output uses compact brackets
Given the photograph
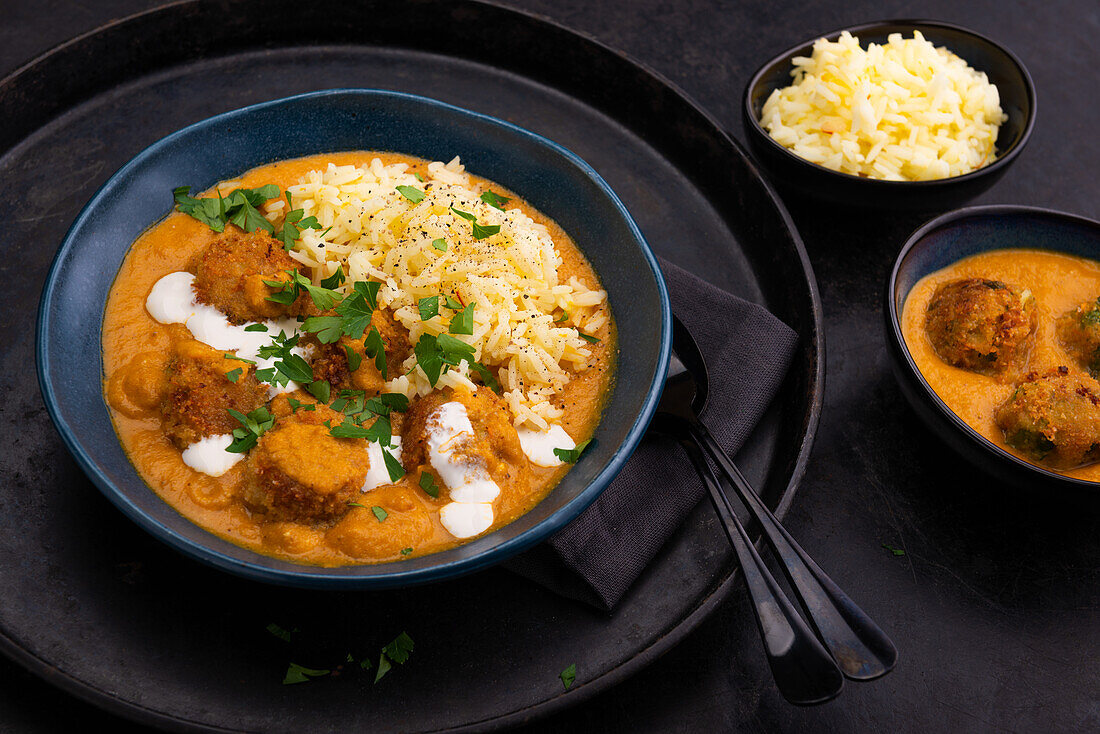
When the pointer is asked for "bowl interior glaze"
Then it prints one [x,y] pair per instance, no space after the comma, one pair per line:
[961,234]
[553,180]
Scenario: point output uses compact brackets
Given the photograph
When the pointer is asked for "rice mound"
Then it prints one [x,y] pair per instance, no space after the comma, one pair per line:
[902,111]
[379,234]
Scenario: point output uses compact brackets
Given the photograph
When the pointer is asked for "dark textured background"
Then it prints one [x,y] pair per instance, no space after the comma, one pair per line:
[995,605]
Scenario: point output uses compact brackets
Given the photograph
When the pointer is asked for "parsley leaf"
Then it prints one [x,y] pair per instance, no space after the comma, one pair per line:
[481,231]
[334,280]
[418,177]
[452,304]
[253,425]
[383,667]
[892,549]
[406,551]
[319,389]
[234,375]
[375,349]
[379,513]
[568,676]
[465,215]
[393,466]
[427,483]
[209,211]
[399,650]
[411,193]
[354,359]
[588,338]
[429,307]
[328,329]
[301,674]
[256,327]
[349,429]
[463,321]
[440,244]
[296,404]
[564,317]
[238,208]
[570,456]
[495,200]
[279,632]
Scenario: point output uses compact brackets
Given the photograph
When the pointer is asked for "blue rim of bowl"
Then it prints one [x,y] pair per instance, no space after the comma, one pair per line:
[1000,162]
[306,577]
[899,337]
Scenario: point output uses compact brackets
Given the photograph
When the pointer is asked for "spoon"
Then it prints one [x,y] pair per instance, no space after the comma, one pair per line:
[856,644]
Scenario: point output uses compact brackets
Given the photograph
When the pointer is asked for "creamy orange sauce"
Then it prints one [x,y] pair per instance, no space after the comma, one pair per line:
[1059,283]
[133,341]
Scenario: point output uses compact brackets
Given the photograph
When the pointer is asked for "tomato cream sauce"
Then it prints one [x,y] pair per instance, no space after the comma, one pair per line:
[1059,284]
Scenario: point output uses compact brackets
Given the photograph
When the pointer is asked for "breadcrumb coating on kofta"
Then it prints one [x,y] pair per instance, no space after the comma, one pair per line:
[981,325]
[1054,418]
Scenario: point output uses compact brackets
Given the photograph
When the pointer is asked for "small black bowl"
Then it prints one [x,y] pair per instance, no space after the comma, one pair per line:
[791,172]
[936,245]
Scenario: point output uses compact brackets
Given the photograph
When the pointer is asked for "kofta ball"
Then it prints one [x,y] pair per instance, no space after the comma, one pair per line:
[1054,418]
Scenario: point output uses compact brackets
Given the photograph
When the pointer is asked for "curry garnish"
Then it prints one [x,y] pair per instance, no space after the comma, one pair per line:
[481,231]
[375,348]
[301,674]
[287,291]
[393,466]
[379,513]
[564,317]
[412,193]
[406,551]
[296,405]
[279,632]
[429,307]
[568,676]
[335,280]
[234,375]
[288,366]
[588,338]
[440,244]
[463,321]
[293,224]
[354,358]
[256,327]
[320,389]
[253,425]
[239,208]
[570,456]
[427,483]
[892,549]
[495,200]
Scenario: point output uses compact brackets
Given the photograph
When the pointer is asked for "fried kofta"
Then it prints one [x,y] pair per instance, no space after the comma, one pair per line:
[1054,418]
[203,385]
[299,472]
[981,325]
[494,445]
[1079,332]
[230,275]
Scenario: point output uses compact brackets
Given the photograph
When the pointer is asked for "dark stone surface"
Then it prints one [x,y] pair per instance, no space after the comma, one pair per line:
[995,605]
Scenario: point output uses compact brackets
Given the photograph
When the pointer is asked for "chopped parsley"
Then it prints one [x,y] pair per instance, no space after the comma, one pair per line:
[287,291]
[406,551]
[570,456]
[279,632]
[440,244]
[354,359]
[892,549]
[387,402]
[349,429]
[375,348]
[379,513]
[301,674]
[319,389]
[234,357]
[481,231]
[399,650]
[588,338]
[568,676]
[465,215]
[353,314]
[427,483]
[429,307]
[564,317]
[383,667]
[418,177]
[436,353]
[393,466]
[234,375]
[239,208]
[253,425]
[288,366]
[463,321]
[412,193]
[293,224]
[335,280]
[295,405]
[256,327]
[452,303]
[495,200]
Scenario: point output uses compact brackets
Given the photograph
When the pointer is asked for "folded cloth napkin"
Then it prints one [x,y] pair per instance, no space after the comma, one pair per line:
[597,557]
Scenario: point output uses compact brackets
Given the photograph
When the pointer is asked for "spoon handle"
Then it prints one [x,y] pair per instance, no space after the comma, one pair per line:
[803,670]
[859,646]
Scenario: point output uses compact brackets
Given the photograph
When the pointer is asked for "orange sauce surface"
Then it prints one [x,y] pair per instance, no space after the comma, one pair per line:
[1059,283]
[131,337]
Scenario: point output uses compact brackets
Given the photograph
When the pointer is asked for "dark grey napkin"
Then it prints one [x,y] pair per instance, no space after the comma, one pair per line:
[599,555]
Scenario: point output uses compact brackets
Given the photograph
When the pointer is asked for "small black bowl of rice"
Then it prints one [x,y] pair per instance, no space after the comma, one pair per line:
[911,114]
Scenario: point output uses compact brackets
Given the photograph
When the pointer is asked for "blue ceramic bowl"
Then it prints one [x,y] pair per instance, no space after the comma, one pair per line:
[794,173]
[554,180]
[936,245]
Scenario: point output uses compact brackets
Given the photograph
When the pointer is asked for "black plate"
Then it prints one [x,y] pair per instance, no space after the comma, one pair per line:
[95,606]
